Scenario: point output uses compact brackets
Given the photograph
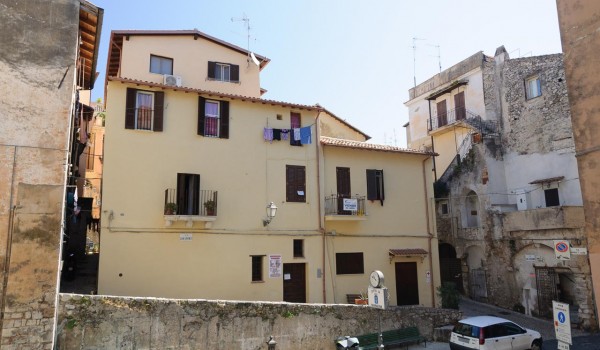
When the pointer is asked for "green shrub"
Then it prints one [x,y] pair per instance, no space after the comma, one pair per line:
[449,294]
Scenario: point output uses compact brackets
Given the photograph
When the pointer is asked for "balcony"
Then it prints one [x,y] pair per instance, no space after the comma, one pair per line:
[200,206]
[544,219]
[485,127]
[345,208]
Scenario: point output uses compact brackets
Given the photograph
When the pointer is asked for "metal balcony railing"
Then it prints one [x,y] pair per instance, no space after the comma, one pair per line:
[200,203]
[485,127]
[336,204]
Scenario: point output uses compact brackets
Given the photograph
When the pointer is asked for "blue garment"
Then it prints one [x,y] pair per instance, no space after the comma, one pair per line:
[305,135]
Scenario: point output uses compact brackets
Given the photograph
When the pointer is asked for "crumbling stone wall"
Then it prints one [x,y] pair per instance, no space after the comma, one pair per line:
[541,124]
[101,322]
[37,65]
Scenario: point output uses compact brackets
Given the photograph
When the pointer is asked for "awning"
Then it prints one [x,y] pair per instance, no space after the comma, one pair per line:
[447,89]
[407,253]
[548,180]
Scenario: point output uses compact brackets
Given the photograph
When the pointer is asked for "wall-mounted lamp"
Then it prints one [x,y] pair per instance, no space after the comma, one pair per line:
[271,344]
[271,211]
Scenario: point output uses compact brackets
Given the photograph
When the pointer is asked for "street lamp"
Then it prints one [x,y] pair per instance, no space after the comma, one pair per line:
[271,343]
[271,211]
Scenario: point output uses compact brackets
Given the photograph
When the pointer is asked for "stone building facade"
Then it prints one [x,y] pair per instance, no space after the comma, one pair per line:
[507,183]
[49,54]
[578,22]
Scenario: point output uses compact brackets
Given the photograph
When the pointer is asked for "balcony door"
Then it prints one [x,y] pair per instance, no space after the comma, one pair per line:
[343,189]
[459,105]
[188,190]
[442,114]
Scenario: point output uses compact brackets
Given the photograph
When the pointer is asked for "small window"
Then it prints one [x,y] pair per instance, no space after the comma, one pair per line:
[533,87]
[349,263]
[213,118]
[144,110]
[295,177]
[375,185]
[257,268]
[298,248]
[161,65]
[444,208]
[223,72]
[551,196]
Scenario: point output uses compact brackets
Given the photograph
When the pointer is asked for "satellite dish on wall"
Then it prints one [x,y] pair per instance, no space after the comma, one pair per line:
[254,59]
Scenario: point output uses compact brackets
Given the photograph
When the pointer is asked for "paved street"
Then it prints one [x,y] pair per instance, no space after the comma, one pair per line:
[581,340]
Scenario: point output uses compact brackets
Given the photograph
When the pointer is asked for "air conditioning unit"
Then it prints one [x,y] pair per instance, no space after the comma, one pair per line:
[172,80]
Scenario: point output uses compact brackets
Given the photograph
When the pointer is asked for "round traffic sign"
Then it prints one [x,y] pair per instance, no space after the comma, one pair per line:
[562,247]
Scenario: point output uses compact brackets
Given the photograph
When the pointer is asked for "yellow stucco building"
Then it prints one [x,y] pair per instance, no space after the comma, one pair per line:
[193,158]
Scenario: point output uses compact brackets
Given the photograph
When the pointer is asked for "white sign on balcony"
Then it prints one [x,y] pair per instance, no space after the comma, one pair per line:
[350,204]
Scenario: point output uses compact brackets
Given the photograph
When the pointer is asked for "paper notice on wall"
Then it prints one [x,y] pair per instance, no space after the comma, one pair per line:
[275,266]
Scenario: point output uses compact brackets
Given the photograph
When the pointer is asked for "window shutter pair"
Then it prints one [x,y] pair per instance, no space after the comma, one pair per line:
[234,71]
[223,117]
[375,189]
[130,107]
[295,181]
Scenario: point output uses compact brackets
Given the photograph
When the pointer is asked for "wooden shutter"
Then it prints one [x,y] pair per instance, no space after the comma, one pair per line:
[459,106]
[159,102]
[212,67]
[442,113]
[371,185]
[234,73]
[188,194]
[343,188]
[224,118]
[295,181]
[201,104]
[130,108]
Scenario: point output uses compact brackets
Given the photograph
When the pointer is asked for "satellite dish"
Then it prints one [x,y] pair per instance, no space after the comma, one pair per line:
[254,59]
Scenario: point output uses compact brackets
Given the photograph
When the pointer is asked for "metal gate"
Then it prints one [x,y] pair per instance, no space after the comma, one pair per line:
[545,278]
[477,285]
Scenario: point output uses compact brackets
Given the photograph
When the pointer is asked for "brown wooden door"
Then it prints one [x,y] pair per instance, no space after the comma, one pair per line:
[294,283]
[407,283]
[343,189]
[442,113]
[459,105]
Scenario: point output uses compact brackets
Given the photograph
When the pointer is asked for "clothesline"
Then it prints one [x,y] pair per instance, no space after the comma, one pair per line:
[303,134]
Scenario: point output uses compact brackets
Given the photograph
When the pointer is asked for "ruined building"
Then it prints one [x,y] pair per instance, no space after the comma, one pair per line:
[507,184]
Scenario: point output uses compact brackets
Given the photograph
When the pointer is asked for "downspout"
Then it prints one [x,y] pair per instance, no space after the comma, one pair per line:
[429,234]
[321,229]
[11,225]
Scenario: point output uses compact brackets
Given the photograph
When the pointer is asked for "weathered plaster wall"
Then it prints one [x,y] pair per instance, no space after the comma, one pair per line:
[579,22]
[37,69]
[100,322]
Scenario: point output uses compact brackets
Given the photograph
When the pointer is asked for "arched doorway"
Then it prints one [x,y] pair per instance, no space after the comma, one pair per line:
[450,266]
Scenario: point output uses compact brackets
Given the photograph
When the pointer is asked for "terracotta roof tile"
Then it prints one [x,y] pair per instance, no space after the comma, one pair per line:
[330,141]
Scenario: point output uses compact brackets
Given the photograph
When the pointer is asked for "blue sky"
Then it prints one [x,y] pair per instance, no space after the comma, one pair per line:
[353,57]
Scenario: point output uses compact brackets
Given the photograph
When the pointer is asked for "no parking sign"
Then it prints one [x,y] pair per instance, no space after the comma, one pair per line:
[562,250]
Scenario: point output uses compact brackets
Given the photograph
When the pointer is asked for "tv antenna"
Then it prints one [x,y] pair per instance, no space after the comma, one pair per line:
[439,56]
[246,21]
[414,47]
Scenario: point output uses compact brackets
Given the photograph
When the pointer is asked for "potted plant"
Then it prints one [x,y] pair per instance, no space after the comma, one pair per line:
[210,206]
[361,300]
[170,208]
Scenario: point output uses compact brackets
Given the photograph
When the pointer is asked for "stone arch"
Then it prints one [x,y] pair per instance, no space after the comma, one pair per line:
[470,212]
[450,265]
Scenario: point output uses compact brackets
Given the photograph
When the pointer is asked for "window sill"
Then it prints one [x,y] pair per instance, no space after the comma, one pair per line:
[224,81]
[190,219]
[257,282]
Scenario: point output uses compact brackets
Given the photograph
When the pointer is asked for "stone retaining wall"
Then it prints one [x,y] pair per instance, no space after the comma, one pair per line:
[102,322]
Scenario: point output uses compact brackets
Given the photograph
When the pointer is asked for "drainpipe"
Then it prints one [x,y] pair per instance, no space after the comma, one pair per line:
[11,225]
[430,235]
[321,229]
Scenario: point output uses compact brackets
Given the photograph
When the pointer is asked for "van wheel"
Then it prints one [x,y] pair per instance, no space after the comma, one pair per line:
[536,345]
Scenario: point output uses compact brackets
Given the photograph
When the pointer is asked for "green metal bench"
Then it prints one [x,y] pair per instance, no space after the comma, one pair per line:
[391,338]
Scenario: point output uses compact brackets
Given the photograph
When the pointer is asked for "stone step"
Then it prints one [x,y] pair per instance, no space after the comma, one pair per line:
[442,334]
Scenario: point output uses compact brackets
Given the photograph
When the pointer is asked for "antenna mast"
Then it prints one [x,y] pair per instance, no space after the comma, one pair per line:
[246,21]
[414,47]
